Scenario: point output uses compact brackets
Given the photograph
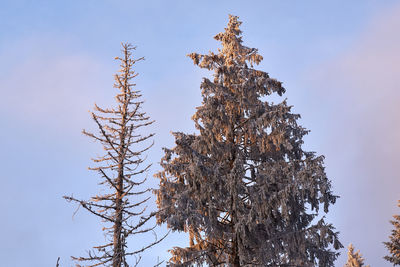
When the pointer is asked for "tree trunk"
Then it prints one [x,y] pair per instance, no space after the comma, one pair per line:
[234,260]
[117,260]
[234,257]
[118,255]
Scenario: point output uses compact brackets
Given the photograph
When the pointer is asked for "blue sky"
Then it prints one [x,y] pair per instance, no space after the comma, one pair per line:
[339,61]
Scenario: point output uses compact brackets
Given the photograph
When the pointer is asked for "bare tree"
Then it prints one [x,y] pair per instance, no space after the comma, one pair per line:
[122,209]
[393,246]
[243,187]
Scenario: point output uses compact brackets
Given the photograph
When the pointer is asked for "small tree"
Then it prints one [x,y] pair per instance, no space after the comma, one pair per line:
[394,244]
[243,188]
[354,259]
[121,209]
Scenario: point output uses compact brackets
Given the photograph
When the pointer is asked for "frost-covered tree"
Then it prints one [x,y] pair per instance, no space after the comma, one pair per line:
[394,244]
[243,187]
[122,205]
[354,259]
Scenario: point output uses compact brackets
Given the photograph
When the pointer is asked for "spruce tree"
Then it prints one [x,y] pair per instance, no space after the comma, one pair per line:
[394,244]
[122,206]
[354,259]
[242,187]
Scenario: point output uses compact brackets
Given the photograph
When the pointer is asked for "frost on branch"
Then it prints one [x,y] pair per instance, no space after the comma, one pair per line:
[354,259]
[243,188]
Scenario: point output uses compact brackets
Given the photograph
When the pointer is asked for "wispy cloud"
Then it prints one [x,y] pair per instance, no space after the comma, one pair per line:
[48,84]
[359,96]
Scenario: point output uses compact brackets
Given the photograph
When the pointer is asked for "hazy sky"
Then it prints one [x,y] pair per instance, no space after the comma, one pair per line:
[339,61]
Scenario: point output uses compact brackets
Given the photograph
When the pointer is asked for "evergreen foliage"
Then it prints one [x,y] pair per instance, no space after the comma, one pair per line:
[394,244]
[354,259]
[243,187]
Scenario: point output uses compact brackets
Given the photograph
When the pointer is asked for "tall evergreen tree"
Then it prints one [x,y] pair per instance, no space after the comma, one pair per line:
[122,207]
[354,259]
[243,187]
[394,244]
